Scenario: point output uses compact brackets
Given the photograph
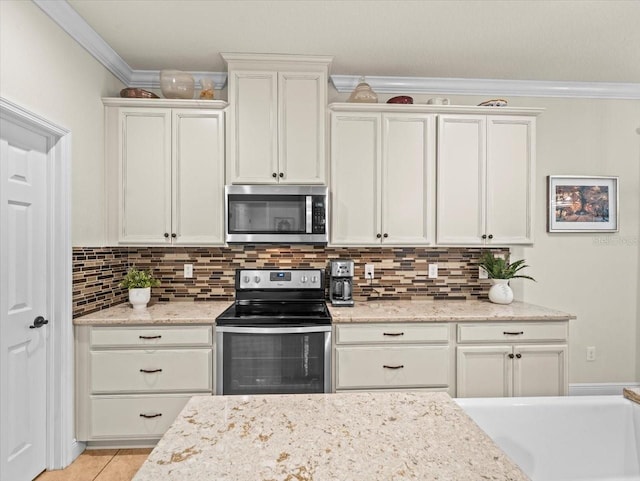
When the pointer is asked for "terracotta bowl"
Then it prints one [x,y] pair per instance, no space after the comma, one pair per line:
[134,93]
[400,99]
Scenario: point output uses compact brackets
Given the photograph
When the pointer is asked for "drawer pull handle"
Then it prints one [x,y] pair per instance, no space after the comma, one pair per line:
[150,416]
[393,333]
[507,333]
[393,367]
[150,371]
[150,337]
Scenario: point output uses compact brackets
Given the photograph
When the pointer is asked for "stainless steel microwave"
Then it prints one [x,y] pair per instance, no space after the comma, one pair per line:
[276,214]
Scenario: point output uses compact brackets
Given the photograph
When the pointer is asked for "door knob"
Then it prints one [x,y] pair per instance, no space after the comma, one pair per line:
[39,322]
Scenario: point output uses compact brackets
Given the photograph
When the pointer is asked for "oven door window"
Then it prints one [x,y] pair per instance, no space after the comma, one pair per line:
[273,363]
[267,214]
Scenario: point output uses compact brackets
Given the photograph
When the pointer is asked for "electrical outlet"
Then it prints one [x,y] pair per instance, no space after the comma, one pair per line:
[188,271]
[482,273]
[368,271]
[433,271]
[591,353]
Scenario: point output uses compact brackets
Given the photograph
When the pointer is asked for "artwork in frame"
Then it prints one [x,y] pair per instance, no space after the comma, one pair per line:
[582,203]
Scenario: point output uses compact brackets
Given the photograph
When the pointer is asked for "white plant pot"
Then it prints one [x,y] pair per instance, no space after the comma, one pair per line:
[500,292]
[139,298]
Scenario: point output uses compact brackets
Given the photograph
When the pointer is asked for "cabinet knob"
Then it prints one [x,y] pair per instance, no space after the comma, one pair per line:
[518,355]
[484,236]
[378,236]
[510,356]
[385,235]
[490,236]
[274,175]
[166,235]
[174,235]
[281,175]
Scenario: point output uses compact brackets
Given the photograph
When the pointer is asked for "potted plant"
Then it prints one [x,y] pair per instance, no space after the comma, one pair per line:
[500,271]
[139,284]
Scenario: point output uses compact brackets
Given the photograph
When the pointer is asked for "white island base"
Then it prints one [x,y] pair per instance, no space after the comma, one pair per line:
[373,436]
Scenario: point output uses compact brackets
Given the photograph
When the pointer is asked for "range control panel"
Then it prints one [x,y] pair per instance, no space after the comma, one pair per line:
[279,279]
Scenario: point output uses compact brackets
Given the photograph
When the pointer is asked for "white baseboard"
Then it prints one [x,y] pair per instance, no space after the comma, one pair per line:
[600,389]
[77,448]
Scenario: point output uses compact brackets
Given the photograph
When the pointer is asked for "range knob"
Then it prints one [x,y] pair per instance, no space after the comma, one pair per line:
[246,279]
[314,279]
[257,279]
[304,279]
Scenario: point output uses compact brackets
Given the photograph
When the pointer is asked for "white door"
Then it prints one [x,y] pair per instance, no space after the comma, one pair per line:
[198,176]
[461,179]
[302,103]
[23,298]
[484,371]
[408,151]
[355,178]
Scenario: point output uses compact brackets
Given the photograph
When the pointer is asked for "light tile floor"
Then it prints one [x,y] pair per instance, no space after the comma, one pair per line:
[100,465]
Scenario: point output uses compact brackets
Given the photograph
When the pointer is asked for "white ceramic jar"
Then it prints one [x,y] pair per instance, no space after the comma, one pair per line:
[176,84]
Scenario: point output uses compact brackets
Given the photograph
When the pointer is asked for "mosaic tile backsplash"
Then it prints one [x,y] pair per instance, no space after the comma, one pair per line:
[400,272]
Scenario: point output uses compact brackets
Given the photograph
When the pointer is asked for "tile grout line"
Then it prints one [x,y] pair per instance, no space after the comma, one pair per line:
[105,466]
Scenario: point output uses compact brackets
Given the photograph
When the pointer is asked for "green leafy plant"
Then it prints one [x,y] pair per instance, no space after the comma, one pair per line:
[498,268]
[135,279]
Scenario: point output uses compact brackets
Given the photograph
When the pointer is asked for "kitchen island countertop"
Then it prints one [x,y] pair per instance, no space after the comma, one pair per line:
[375,436]
[371,312]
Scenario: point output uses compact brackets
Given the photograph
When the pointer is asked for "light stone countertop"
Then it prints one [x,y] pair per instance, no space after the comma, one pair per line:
[453,311]
[372,311]
[376,436]
[160,313]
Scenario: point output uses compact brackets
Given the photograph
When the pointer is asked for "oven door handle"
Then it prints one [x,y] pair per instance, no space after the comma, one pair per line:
[273,330]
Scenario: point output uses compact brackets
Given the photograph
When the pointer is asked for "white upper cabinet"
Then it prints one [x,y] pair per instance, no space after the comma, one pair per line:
[165,172]
[277,119]
[382,177]
[485,179]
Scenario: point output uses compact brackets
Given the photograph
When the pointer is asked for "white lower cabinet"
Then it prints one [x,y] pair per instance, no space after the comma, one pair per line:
[132,382]
[512,359]
[393,356]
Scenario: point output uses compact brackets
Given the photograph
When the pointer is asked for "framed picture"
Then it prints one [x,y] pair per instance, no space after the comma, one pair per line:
[582,203]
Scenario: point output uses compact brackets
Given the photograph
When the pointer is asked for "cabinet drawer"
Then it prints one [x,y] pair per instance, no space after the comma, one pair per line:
[172,370]
[123,416]
[406,366]
[513,332]
[392,333]
[151,336]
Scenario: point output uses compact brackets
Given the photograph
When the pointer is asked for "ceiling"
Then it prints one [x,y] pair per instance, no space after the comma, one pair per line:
[558,40]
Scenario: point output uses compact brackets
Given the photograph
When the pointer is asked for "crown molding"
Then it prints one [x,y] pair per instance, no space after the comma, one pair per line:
[71,22]
[61,12]
[493,87]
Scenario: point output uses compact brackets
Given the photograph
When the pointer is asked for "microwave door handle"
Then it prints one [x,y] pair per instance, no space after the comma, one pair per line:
[309,214]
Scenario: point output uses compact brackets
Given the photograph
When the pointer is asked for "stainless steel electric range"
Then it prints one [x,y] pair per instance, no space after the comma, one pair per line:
[276,337]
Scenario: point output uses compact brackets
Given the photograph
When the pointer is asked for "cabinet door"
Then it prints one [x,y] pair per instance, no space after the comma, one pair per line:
[253,151]
[302,101]
[145,176]
[510,167]
[355,178]
[484,371]
[198,176]
[461,179]
[408,151]
[540,370]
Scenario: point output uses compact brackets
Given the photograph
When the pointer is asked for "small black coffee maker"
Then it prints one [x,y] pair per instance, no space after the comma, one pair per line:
[341,283]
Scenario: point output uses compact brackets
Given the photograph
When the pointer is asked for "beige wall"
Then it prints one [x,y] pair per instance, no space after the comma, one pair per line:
[45,71]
